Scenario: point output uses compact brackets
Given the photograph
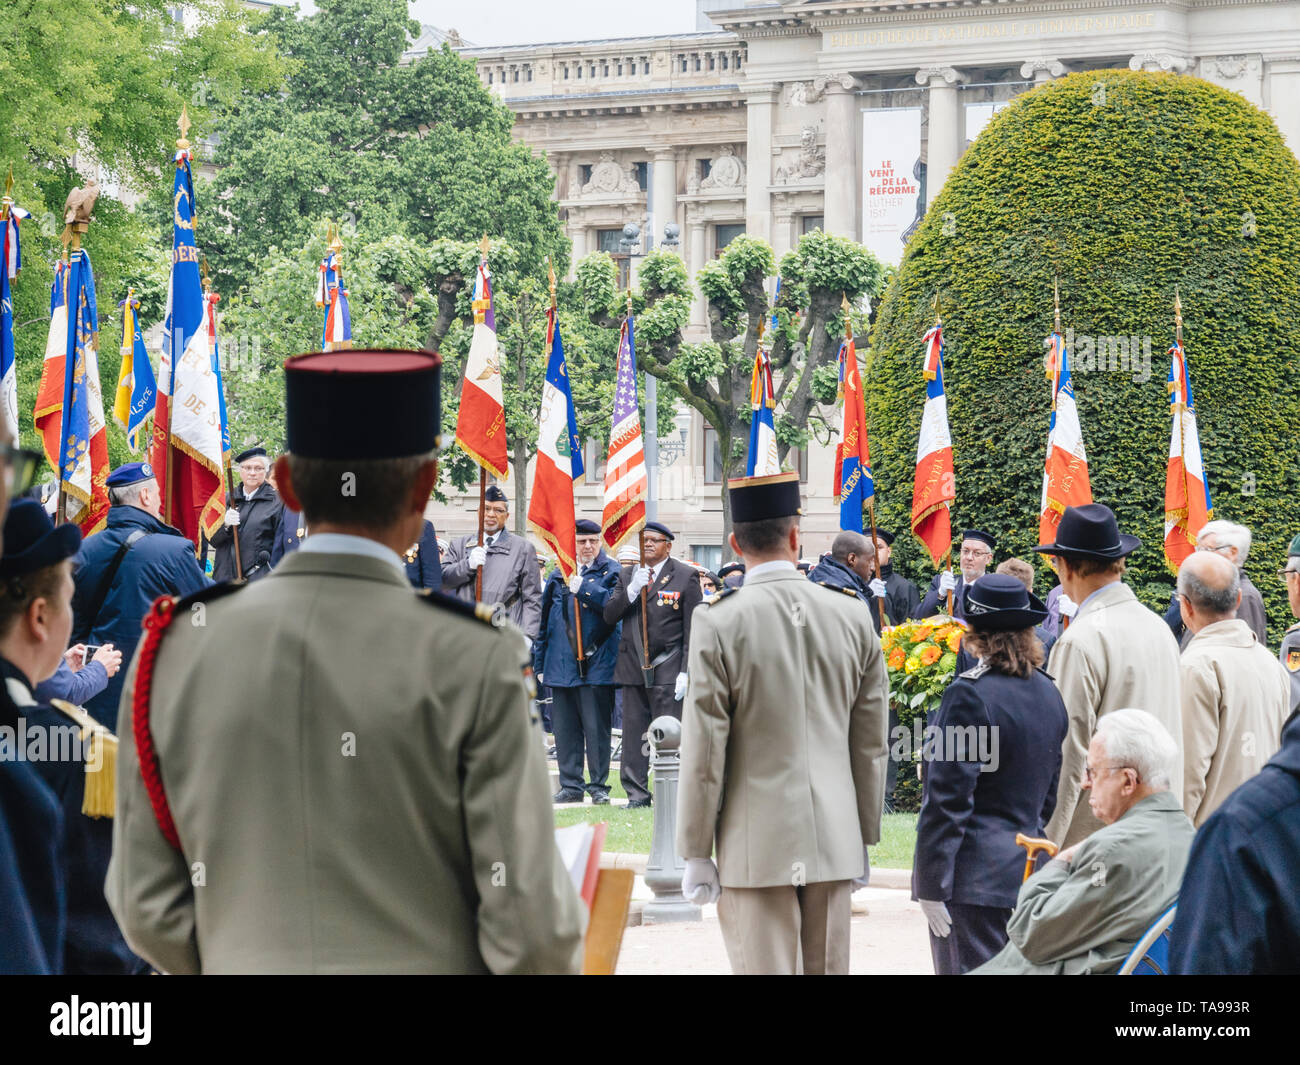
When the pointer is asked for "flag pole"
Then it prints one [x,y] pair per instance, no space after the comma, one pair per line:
[1056,328]
[74,230]
[230,474]
[947,558]
[846,307]
[647,674]
[483,247]
[577,610]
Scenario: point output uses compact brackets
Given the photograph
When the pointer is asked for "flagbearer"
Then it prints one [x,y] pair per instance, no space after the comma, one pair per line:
[511,574]
[582,688]
[254,515]
[977,549]
[673,593]
[902,600]
[787,707]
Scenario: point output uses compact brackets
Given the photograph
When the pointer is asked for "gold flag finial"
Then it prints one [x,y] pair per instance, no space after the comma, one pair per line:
[1056,304]
[846,307]
[484,246]
[1178,316]
[936,306]
[9,186]
[550,266]
[183,124]
[629,300]
[335,241]
[203,274]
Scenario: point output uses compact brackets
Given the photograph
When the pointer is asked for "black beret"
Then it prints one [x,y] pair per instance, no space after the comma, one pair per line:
[760,498]
[977,534]
[661,528]
[586,527]
[493,494]
[251,453]
[886,536]
[730,568]
[358,404]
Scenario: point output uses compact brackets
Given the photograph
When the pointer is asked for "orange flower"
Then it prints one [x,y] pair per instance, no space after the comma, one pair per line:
[954,641]
[929,655]
[922,633]
[897,658]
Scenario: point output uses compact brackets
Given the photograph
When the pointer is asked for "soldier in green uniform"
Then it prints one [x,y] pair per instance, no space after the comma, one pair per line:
[373,797]
[1290,653]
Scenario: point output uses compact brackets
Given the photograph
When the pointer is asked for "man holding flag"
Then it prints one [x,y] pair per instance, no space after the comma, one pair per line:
[575,649]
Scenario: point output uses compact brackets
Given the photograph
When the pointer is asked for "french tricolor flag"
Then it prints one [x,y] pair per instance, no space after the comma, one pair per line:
[1187,494]
[934,488]
[1065,477]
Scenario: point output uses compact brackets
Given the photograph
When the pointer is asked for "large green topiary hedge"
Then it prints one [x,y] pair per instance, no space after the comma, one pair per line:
[1127,186]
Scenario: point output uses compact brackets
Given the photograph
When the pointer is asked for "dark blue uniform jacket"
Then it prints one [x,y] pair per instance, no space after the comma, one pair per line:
[966,833]
[160,563]
[554,649]
[423,566]
[1239,909]
[832,573]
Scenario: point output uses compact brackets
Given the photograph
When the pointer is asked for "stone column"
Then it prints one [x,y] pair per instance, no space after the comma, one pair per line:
[578,234]
[943,146]
[1042,69]
[841,153]
[1282,96]
[697,253]
[758,163]
[783,234]
[663,203]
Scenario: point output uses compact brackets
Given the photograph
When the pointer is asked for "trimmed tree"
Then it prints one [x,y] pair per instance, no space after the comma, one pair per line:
[1127,187]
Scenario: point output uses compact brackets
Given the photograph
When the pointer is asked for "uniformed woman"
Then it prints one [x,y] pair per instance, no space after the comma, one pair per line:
[991,758]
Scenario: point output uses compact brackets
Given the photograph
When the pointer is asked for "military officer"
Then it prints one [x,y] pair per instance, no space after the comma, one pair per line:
[977,549]
[902,600]
[35,623]
[787,705]
[673,593]
[254,515]
[511,572]
[376,798]
[423,563]
[582,689]
[1290,653]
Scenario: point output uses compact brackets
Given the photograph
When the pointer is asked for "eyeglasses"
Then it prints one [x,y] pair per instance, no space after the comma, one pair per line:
[1090,774]
[655,540]
[975,552]
[496,509]
[1288,571]
[20,467]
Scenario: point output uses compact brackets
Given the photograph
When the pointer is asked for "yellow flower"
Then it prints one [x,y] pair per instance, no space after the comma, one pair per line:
[912,665]
[929,654]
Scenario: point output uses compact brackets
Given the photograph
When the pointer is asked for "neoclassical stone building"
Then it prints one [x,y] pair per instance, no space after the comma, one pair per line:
[777,118]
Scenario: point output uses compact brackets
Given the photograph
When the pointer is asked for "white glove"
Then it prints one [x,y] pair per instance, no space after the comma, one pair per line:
[540,682]
[232,517]
[878,588]
[477,557]
[575,583]
[947,582]
[640,578]
[680,691]
[700,881]
[937,914]
[1067,606]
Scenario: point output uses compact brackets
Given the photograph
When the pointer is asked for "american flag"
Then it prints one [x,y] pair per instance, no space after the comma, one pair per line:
[625,473]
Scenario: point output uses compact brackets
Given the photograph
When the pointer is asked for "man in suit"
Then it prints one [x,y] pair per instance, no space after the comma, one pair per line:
[1232,542]
[976,554]
[1116,653]
[787,706]
[511,572]
[254,515]
[376,798]
[582,691]
[902,600]
[1087,908]
[1235,696]
[672,594]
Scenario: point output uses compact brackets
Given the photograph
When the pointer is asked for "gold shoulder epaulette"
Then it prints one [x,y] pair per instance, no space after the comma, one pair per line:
[717,597]
[489,613]
[99,751]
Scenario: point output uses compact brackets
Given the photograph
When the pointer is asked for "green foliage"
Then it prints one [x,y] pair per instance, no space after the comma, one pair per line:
[354,135]
[1128,187]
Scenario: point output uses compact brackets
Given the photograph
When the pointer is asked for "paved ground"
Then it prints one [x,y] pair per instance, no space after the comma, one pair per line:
[890,939]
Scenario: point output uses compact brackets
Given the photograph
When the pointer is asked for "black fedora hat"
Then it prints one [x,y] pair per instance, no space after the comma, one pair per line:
[1092,531]
[999,602]
[32,541]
